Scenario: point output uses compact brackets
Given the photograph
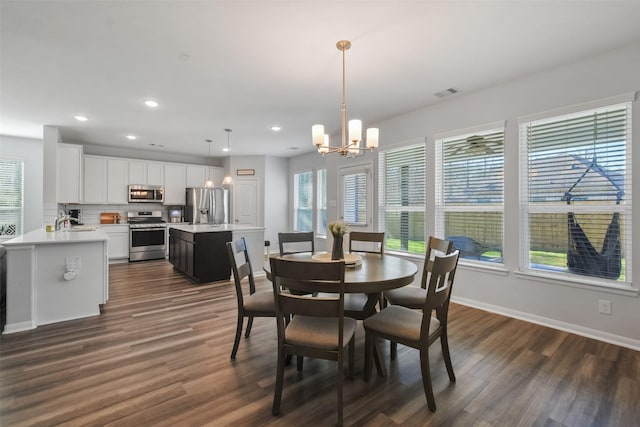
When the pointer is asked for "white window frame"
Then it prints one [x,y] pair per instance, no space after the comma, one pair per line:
[296,199]
[625,207]
[19,222]
[382,196]
[441,208]
[320,202]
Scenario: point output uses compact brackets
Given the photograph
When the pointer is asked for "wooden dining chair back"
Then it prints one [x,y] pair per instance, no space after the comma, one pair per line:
[250,303]
[414,296]
[418,329]
[366,241]
[317,326]
[296,242]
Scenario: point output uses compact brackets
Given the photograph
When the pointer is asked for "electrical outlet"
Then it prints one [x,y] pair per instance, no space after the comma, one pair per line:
[73,263]
[604,306]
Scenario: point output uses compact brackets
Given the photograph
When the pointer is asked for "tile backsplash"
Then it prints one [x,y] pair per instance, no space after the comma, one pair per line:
[90,214]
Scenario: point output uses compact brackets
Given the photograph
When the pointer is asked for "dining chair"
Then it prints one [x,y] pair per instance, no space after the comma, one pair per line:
[317,327]
[419,329]
[296,242]
[366,242]
[253,304]
[413,296]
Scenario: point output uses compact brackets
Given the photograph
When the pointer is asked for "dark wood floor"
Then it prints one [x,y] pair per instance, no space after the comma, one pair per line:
[159,356]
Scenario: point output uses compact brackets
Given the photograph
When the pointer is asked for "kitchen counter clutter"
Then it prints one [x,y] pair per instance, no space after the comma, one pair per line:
[199,250]
[55,276]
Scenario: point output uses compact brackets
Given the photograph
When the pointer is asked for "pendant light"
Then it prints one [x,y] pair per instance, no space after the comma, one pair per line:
[209,182]
[227,179]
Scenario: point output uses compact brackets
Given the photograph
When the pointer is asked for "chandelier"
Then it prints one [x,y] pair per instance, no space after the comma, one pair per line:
[352,145]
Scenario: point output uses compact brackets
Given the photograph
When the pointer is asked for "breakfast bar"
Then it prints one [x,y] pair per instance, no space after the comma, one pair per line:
[55,276]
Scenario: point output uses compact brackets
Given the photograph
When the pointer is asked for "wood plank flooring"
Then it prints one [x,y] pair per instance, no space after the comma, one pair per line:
[158,355]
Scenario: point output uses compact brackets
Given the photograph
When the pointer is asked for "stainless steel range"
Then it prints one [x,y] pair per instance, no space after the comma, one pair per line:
[147,235]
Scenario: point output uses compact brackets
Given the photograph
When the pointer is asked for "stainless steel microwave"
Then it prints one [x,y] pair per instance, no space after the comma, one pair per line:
[146,194]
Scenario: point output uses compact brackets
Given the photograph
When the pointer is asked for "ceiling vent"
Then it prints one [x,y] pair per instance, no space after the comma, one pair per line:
[446,92]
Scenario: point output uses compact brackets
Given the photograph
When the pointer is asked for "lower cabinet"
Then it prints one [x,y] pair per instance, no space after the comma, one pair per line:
[118,241]
[200,256]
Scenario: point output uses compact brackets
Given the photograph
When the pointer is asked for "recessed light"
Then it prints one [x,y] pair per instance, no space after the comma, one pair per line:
[151,103]
[131,137]
[276,128]
[225,149]
[81,118]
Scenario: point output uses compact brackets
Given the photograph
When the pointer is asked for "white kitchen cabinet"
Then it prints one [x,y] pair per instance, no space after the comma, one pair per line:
[69,173]
[105,180]
[175,181]
[117,180]
[196,175]
[95,182]
[142,172]
[118,241]
[137,172]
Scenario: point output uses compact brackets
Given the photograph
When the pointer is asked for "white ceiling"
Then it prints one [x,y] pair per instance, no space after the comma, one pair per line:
[248,65]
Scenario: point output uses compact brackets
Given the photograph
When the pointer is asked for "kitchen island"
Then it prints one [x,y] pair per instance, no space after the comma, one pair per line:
[199,250]
[55,276]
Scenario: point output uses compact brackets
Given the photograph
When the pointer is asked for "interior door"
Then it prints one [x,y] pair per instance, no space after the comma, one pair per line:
[245,201]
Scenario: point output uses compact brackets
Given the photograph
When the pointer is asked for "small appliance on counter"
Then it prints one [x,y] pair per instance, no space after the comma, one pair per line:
[176,214]
[77,215]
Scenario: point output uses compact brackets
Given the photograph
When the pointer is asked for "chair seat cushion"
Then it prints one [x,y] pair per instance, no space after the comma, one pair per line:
[318,332]
[400,322]
[407,296]
[352,302]
[259,301]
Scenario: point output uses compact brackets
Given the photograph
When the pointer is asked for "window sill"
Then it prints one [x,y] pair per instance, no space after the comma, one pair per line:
[590,284]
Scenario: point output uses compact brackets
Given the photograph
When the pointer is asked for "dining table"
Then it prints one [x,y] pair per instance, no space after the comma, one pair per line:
[371,274]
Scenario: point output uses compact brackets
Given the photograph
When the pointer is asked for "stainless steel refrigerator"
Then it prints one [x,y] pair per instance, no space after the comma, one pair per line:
[207,205]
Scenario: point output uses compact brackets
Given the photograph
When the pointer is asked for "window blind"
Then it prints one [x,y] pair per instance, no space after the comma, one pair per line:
[470,200]
[11,197]
[577,192]
[321,202]
[303,201]
[354,190]
[402,198]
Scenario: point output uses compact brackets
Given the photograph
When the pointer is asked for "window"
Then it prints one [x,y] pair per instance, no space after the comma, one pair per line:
[303,201]
[470,193]
[401,198]
[11,198]
[575,192]
[354,194]
[321,202]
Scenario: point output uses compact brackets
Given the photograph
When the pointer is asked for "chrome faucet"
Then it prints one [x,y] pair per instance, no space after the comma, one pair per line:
[61,218]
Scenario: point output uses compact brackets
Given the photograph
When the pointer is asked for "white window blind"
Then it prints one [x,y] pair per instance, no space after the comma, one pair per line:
[354,193]
[401,198]
[303,201]
[321,202]
[577,192]
[470,195]
[11,198]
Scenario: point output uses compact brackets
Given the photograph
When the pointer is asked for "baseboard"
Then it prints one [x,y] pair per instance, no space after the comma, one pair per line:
[11,328]
[552,323]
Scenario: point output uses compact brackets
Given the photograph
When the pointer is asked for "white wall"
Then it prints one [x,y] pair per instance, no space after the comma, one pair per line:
[30,151]
[276,190]
[564,306]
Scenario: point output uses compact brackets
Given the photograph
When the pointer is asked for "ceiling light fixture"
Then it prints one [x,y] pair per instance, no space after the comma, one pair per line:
[276,128]
[131,137]
[151,103]
[227,179]
[352,146]
[81,118]
[209,182]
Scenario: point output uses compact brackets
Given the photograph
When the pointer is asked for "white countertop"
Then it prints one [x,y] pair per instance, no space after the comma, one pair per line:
[42,237]
[206,228]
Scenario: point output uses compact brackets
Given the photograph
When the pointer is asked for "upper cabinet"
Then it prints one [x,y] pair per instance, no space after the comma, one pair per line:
[216,174]
[69,173]
[105,180]
[196,175]
[143,172]
[175,181]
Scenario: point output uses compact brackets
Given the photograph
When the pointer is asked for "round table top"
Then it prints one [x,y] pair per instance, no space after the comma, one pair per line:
[375,274]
